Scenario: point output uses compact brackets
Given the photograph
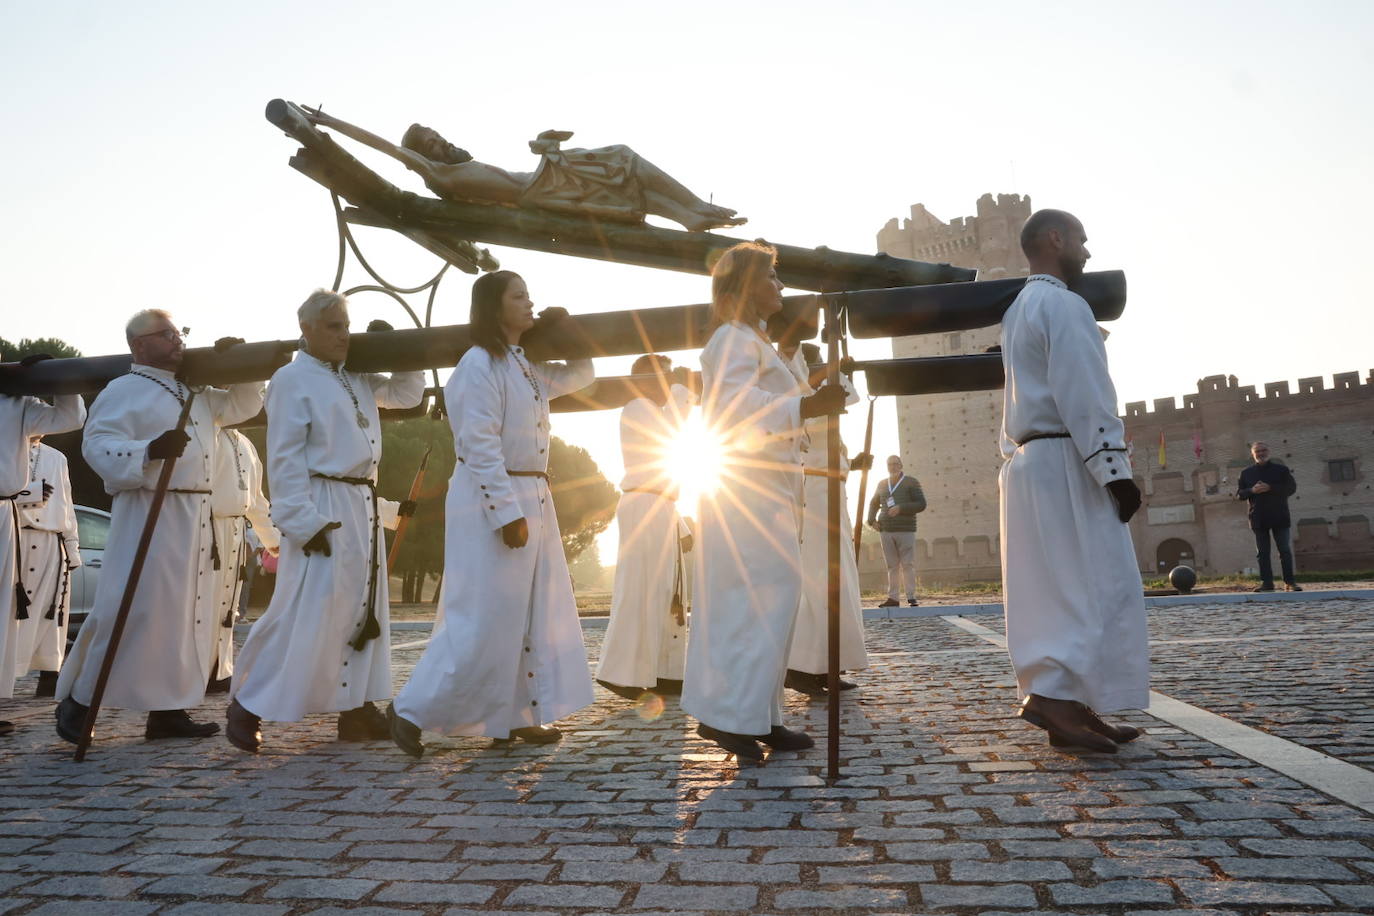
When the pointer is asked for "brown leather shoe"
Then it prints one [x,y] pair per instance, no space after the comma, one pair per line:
[1067,723]
[243,728]
[536,734]
[366,723]
[813,685]
[1118,733]
[404,733]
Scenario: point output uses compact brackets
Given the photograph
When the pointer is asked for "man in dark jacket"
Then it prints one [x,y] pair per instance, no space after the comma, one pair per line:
[1267,485]
[892,511]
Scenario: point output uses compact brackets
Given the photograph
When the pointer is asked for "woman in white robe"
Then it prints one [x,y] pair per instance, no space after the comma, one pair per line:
[748,571]
[507,657]
[809,661]
[50,550]
[646,645]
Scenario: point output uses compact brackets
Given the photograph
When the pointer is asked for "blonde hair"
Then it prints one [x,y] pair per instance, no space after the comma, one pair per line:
[142,321]
[735,276]
[319,302]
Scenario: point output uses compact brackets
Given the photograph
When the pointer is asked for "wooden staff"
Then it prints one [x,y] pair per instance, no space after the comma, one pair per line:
[832,545]
[863,481]
[404,521]
[164,478]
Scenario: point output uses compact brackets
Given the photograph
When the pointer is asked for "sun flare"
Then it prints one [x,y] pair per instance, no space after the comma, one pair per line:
[694,461]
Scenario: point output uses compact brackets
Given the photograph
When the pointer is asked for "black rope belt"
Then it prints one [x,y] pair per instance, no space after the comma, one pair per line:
[371,628]
[543,474]
[1033,436]
[21,597]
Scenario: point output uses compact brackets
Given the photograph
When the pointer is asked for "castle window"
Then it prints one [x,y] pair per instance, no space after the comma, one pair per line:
[1341,470]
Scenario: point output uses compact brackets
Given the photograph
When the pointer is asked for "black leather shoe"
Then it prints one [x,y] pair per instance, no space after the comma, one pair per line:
[667,686]
[847,685]
[891,602]
[912,602]
[1067,722]
[629,693]
[217,685]
[175,723]
[1262,588]
[405,733]
[536,734]
[813,685]
[6,728]
[785,739]
[71,720]
[744,747]
[1292,586]
[47,684]
[366,723]
[243,729]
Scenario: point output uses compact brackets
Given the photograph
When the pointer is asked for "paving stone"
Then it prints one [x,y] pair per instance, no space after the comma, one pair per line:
[399,870]
[202,908]
[1249,893]
[506,871]
[96,908]
[1022,870]
[201,886]
[850,898]
[322,888]
[282,849]
[1112,893]
[1051,849]
[87,886]
[431,851]
[613,872]
[1287,847]
[174,865]
[1018,896]
[565,895]
[434,892]
[1150,867]
[936,851]
[1171,848]
[875,874]
[812,854]
[1286,867]
[594,853]
[1360,895]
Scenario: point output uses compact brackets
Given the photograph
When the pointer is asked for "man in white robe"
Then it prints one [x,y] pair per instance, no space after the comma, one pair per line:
[808,661]
[323,644]
[21,418]
[49,550]
[646,639]
[162,662]
[236,501]
[1074,603]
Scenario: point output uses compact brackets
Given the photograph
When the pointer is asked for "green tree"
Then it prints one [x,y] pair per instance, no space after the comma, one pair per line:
[11,352]
[585,499]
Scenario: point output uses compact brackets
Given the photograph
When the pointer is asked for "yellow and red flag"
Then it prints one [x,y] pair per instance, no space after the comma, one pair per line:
[1163,458]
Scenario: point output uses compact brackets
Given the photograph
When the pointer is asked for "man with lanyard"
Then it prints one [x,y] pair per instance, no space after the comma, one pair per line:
[323,644]
[163,660]
[896,502]
[49,551]
[1074,605]
[20,418]
[236,501]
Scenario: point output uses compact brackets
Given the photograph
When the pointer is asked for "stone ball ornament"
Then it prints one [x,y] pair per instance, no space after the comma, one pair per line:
[1183,578]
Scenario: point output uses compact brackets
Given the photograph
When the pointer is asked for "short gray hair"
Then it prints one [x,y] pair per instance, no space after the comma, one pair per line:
[319,302]
[142,321]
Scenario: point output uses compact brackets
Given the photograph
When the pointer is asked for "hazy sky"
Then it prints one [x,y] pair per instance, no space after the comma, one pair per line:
[1219,153]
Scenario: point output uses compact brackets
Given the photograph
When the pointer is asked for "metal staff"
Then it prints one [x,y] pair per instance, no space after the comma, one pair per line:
[832,544]
[404,521]
[863,480]
[164,478]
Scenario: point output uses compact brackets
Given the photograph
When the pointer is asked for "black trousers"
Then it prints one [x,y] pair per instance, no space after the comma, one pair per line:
[1284,541]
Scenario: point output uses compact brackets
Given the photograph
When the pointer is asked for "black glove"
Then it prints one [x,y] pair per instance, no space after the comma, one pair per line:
[225,343]
[34,358]
[1127,496]
[828,401]
[861,462]
[168,445]
[377,324]
[320,542]
[516,534]
[47,490]
[551,315]
[406,509]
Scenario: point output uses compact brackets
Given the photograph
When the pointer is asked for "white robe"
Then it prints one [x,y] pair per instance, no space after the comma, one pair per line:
[1074,604]
[236,501]
[748,568]
[163,660]
[49,551]
[508,651]
[644,642]
[811,641]
[20,418]
[297,658]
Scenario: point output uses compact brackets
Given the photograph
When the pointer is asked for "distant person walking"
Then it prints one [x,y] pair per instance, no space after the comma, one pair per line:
[1266,485]
[897,500]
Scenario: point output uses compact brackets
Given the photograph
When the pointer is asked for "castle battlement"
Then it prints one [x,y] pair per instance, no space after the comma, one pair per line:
[1311,389]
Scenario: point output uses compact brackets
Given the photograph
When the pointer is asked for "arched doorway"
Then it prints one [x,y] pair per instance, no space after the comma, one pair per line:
[1174,552]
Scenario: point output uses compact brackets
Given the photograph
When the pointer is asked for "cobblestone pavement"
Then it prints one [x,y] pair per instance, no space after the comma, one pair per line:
[949,803]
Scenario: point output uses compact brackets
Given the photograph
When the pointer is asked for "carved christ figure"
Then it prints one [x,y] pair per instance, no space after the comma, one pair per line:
[612,182]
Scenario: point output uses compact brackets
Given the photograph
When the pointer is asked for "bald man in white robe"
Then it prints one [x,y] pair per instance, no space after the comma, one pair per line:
[1074,603]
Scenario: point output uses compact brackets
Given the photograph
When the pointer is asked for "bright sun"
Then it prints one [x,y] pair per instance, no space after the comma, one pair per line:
[694,461]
